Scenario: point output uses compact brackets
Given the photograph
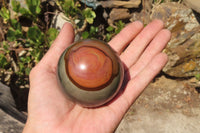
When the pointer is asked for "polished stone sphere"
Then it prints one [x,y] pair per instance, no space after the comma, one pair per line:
[90,72]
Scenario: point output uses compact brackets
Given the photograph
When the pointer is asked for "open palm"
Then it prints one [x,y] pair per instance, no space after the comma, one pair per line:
[49,110]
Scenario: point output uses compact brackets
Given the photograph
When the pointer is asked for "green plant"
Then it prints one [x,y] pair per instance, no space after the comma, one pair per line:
[35,36]
[36,41]
[74,11]
[120,25]
[15,31]
[91,33]
[32,11]
[5,14]
[29,45]
[51,35]
[111,31]
[197,76]
[70,7]
[3,61]
[158,1]
[4,51]
[89,15]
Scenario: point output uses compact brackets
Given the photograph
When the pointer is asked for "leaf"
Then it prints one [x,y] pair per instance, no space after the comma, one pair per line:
[90,20]
[34,6]
[22,59]
[89,15]
[25,59]
[69,3]
[3,61]
[15,31]
[70,8]
[109,28]
[108,37]
[120,25]
[35,35]
[15,24]
[38,56]
[197,76]
[27,44]
[85,35]
[5,14]
[15,5]
[27,70]
[93,30]
[51,35]
[11,35]
[18,34]
[21,67]
[24,11]
[6,46]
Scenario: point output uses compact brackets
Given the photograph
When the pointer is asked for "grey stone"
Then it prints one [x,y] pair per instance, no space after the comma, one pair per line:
[59,20]
[166,106]
[121,3]
[7,105]
[112,3]
[194,4]
[91,3]
[8,124]
[183,48]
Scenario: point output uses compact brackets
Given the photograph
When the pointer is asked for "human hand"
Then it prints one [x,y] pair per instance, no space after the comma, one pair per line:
[49,110]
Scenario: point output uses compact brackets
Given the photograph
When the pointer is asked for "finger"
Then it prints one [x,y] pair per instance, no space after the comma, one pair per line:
[63,40]
[121,40]
[138,45]
[65,37]
[136,85]
[156,46]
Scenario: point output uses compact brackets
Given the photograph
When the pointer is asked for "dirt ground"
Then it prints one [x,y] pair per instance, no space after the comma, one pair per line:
[166,106]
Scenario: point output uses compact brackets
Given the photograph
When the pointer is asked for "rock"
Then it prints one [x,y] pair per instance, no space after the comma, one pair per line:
[7,104]
[91,3]
[179,19]
[194,4]
[184,60]
[118,3]
[165,106]
[8,124]
[58,20]
[112,3]
[144,14]
[118,14]
[184,47]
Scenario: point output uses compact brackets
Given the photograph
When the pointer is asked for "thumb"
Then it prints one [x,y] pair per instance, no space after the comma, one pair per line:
[63,40]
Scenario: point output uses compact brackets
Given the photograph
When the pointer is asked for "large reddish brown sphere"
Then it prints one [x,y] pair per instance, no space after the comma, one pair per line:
[89,67]
[90,72]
